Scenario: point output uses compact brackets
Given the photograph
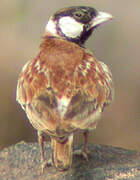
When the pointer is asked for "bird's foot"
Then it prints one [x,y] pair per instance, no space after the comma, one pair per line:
[83,153]
[45,164]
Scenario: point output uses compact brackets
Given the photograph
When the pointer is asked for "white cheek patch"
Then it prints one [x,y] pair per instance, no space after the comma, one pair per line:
[70,27]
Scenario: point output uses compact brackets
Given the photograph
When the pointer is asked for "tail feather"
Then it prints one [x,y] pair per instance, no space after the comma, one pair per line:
[62,153]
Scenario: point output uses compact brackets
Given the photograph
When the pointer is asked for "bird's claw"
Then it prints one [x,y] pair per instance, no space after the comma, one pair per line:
[82,153]
[45,164]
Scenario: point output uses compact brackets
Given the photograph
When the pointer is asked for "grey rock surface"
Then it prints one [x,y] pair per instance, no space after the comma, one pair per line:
[22,162]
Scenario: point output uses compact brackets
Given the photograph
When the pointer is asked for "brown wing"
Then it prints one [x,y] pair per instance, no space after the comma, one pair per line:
[63,70]
[94,90]
[48,77]
[52,68]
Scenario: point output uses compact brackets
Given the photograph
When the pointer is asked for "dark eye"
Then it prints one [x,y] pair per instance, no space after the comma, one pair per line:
[78,14]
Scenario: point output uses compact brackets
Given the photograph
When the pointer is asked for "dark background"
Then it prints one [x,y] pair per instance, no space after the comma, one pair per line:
[117,43]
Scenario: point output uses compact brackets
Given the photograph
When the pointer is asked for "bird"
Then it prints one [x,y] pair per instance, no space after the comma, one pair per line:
[64,89]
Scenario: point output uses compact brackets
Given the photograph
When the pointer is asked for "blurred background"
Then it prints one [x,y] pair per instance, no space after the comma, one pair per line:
[117,43]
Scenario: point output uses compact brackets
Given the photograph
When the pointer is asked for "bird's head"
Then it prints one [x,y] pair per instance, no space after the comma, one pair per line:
[76,23]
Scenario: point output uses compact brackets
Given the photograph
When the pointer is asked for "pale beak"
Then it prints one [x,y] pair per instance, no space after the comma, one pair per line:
[101,18]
